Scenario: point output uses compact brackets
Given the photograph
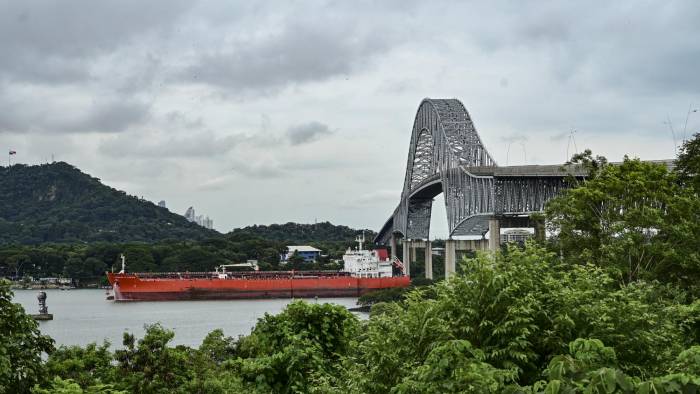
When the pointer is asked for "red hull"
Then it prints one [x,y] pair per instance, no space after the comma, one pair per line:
[150,287]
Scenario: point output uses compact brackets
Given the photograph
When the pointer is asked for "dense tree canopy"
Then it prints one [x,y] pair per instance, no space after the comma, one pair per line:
[635,219]
[295,233]
[688,163]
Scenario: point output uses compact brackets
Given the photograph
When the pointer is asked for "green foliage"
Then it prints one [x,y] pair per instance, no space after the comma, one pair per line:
[217,348]
[591,367]
[634,219]
[150,366]
[453,367]
[21,346]
[296,261]
[520,309]
[58,203]
[384,295]
[61,386]
[688,163]
[286,353]
[299,234]
[88,366]
[394,294]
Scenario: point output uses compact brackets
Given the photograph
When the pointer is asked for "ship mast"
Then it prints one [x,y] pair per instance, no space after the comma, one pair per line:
[360,239]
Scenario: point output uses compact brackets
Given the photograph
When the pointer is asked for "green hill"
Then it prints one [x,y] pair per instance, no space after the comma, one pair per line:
[296,233]
[59,203]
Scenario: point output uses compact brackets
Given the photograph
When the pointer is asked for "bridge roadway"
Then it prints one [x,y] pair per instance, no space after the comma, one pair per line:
[446,156]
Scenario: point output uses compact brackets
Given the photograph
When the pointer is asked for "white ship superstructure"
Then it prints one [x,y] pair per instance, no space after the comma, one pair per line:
[366,263]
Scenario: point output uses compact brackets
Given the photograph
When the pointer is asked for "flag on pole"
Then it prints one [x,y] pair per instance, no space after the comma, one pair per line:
[13,152]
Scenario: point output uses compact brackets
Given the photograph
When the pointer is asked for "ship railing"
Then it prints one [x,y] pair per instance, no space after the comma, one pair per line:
[241,275]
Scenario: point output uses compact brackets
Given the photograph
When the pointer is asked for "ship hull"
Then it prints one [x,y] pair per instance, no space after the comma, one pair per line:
[131,287]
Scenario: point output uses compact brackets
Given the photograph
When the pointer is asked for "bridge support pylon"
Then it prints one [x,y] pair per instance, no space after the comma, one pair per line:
[428,260]
[540,234]
[393,247]
[450,257]
[406,257]
[414,256]
[494,234]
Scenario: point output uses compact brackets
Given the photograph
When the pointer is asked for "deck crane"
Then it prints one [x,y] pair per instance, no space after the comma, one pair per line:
[221,270]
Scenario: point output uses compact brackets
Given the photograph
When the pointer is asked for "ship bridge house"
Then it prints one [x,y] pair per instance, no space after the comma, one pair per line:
[309,253]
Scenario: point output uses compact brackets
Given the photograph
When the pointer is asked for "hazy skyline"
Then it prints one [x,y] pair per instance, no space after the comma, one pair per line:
[259,113]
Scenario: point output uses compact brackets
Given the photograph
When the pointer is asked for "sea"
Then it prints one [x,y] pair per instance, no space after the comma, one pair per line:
[82,316]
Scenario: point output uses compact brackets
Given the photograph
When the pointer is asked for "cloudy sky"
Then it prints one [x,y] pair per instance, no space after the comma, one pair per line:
[268,112]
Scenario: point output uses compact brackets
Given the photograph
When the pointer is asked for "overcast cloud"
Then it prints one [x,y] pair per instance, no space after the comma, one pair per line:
[307,132]
[300,111]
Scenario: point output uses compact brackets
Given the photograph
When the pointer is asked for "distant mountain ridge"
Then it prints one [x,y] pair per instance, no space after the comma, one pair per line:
[303,233]
[58,203]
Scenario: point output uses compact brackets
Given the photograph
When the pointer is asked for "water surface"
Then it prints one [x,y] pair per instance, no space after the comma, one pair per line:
[84,316]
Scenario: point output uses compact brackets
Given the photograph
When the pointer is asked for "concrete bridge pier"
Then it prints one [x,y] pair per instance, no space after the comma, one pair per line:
[414,256]
[540,233]
[450,257]
[407,257]
[428,260]
[393,247]
[494,234]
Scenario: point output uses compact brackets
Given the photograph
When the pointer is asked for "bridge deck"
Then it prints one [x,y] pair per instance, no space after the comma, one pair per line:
[555,170]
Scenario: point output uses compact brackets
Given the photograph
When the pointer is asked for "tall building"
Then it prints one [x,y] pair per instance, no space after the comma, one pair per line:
[189,214]
[161,204]
[204,221]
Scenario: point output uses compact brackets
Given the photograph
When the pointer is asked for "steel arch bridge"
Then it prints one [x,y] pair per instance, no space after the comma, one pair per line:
[446,155]
[444,145]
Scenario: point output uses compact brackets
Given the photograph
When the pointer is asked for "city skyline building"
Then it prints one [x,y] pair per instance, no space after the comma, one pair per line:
[202,220]
[190,215]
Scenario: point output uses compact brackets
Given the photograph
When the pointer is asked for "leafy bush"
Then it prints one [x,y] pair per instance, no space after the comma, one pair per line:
[21,346]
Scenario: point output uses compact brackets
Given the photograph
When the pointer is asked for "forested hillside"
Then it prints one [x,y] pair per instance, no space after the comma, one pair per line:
[58,203]
[57,221]
[304,233]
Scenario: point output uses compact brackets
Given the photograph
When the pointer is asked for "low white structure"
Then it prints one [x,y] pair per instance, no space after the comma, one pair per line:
[309,253]
[518,235]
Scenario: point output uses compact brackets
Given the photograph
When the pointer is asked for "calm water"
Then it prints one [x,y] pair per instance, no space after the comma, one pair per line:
[84,316]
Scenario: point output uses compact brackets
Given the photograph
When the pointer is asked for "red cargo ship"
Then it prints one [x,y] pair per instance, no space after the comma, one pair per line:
[364,271]
[261,284]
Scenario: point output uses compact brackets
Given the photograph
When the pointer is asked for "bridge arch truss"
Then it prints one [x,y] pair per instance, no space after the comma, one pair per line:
[444,147]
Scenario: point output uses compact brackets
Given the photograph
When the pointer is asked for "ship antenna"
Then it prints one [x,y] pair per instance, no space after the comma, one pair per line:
[360,240]
[123,271]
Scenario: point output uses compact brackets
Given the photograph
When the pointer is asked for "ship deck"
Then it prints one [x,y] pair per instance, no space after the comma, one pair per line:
[240,275]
